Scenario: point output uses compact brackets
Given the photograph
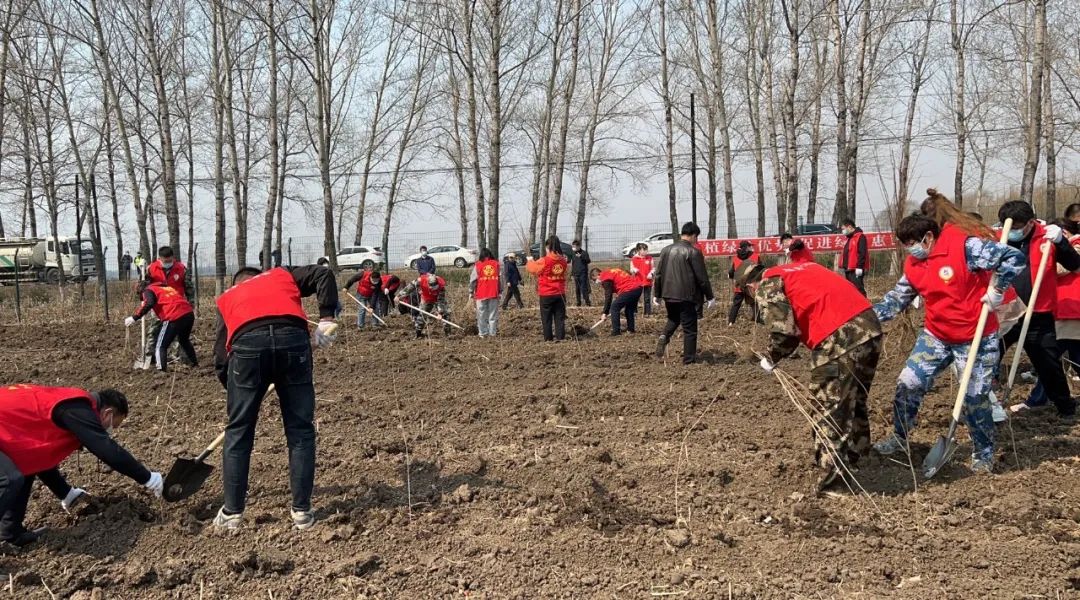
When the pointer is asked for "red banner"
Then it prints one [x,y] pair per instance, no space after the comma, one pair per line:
[833,242]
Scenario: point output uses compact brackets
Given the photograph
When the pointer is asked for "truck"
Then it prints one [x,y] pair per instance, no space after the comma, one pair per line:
[34,260]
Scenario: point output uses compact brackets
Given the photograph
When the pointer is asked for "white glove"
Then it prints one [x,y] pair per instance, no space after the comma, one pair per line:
[73,497]
[656,302]
[858,272]
[1053,233]
[128,322]
[325,333]
[993,298]
[633,271]
[386,291]
[766,365]
[710,303]
[917,302]
[156,484]
[649,276]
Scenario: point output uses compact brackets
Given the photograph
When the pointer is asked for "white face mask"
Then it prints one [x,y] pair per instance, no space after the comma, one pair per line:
[423,253]
[108,427]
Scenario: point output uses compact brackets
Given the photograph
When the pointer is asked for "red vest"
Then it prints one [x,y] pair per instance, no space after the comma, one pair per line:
[1047,300]
[487,279]
[1068,292]
[428,295]
[821,300]
[391,283]
[737,262]
[851,253]
[155,273]
[801,256]
[28,435]
[171,304]
[552,278]
[953,294]
[364,287]
[621,280]
[644,265]
[270,294]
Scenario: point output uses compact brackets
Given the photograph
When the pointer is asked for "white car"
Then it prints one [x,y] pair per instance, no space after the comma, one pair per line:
[656,243]
[445,256]
[359,257]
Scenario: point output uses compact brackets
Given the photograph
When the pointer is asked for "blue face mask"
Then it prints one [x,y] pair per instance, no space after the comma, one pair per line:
[918,251]
[1015,235]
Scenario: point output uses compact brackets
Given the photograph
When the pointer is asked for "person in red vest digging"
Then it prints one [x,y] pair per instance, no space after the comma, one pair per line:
[167,271]
[41,426]
[484,288]
[369,286]
[176,317]
[641,266]
[430,291]
[809,304]
[390,285]
[626,290]
[855,259]
[745,253]
[795,250]
[263,339]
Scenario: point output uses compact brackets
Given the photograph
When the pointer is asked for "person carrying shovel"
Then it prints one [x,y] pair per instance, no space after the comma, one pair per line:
[41,426]
[176,317]
[263,339]
[369,285]
[951,267]
[809,304]
[431,292]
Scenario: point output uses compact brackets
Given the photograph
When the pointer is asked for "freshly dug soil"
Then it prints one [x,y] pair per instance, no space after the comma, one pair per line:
[511,468]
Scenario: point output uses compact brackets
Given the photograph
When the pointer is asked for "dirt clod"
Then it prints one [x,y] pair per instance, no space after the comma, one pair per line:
[678,538]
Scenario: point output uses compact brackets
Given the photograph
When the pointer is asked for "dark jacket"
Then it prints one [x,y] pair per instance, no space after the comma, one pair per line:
[680,274]
[862,252]
[425,265]
[513,275]
[579,262]
[125,262]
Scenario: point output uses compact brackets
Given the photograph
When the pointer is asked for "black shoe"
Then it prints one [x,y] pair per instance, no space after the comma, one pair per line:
[661,346]
[419,334]
[25,538]
[616,333]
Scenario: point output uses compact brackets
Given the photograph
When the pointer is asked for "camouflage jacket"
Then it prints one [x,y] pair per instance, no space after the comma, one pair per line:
[784,331]
[980,255]
[413,288]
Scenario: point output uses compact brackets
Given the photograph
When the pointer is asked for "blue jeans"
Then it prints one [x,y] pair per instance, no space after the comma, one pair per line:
[928,359]
[626,302]
[361,317]
[280,355]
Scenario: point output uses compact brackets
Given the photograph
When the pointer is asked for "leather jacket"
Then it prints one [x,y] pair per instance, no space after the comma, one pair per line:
[681,275]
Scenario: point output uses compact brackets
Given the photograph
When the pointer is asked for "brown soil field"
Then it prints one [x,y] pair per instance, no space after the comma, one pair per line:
[511,468]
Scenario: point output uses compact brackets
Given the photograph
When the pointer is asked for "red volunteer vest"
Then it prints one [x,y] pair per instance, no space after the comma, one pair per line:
[851,253]
[270,294]
[1048,292]
[552,278]
[391,283]
[364,287]
[821,300]
[156,274]
[953,294]
[427,294]
[487,279]
[621,280]
[28,435]
[802,255]
[737,262]
[1068,292]
[171,304]
[644,266]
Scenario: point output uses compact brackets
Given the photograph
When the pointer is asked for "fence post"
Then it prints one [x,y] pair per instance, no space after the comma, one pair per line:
[586,238]
[105,278]
[18,289]
[289,246]
[195,268]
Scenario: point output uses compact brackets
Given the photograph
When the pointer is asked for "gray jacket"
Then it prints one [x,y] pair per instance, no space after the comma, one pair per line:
[680,274]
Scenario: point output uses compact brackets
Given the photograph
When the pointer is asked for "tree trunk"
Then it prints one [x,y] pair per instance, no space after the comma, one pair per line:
[1034,124]
[539,215]
[495,128]
[564,124]
[918,71]
[474,126]
[1050,208]
[840,207]
[323,117]
[164,122]
[272,127]
[752,82]
[959,41]
[219,148]
[111,174]
[669,130]
[239,210]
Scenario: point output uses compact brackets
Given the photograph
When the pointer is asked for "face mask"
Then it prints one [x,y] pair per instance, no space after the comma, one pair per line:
[849,232]
[109,427]
[167,265]
[787,251]
[1015,235]
[423,253]
[920,250]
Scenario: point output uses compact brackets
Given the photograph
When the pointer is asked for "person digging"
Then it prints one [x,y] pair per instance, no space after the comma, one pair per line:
[263,339]
[809,304]
[41,426]
[175,317]
[431,290]
[626,290]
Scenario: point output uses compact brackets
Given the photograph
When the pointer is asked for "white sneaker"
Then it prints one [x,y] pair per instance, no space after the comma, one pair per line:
[302,519]
[890,445]
[227,522]
[999,412]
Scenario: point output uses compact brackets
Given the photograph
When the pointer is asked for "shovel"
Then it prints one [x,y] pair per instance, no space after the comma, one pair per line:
[188,475]
[424,312]
[945,447]
[369,311]
[1027,321]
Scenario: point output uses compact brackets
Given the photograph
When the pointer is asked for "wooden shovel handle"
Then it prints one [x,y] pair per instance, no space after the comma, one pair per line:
[220,439]
[973,351]
[1027,314]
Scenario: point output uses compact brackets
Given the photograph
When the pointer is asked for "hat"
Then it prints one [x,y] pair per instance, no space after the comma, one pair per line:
[748,272]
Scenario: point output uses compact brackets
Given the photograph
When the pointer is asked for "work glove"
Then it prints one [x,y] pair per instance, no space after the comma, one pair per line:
[128,322]
[656,302]
[710,303]
[75,496]
[766,365]
[1054,234]
[858,272]
[155,484]
[325,334]
[993,298]
[386,292]
[649,276]
[917,302]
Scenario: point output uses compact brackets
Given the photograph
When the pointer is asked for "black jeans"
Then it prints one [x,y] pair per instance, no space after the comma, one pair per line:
[553,316]
[179,330]
[1045,355]
[1071,350]
[736,305]
[683,314]
[14,496]
[581,288]
[625,302]
[280,355]
[856,280]
[381,304]
[646,295]
[512,291]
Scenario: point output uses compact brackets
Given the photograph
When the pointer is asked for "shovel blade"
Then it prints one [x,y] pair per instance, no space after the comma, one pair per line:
[185,478]
[939,455]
